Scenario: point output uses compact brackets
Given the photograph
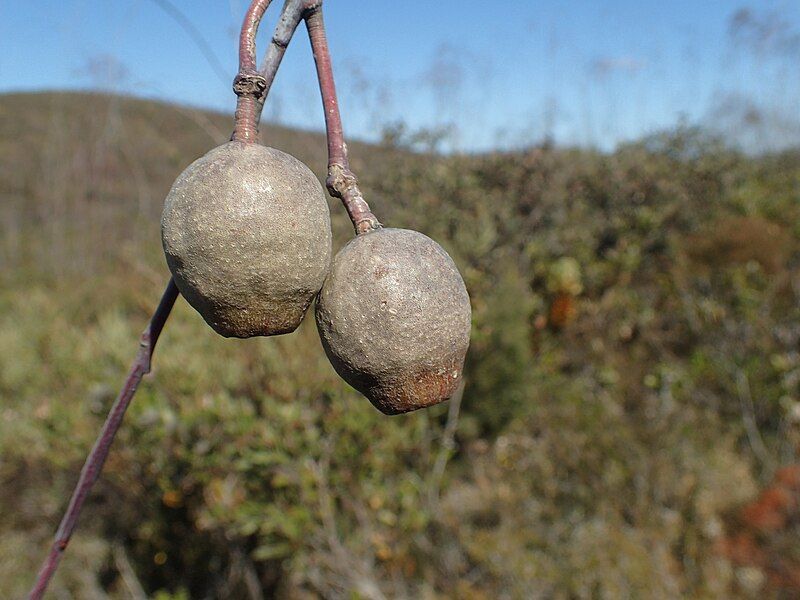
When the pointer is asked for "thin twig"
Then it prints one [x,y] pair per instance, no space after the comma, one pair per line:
[341,182]
[445,449]
[127,573]
[291,15]
[249,84]
[353,573]
[97,457]
[247,35]
[749,421]
[189,27]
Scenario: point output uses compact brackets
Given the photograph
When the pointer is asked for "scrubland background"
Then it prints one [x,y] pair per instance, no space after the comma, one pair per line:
[629,425]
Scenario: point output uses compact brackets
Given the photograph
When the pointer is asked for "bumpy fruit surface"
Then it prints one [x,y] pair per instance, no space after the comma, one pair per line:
[246,232]
[394,318]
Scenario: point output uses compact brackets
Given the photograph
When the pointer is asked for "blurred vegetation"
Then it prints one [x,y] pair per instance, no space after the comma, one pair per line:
[629,425]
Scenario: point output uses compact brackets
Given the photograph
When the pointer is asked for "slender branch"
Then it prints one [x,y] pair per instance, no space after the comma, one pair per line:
[291,15]
[97,457]
[341,182]
[249,85]
[247,36]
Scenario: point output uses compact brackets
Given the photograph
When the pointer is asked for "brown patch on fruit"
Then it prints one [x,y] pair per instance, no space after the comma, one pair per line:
[423,388]
[285,319]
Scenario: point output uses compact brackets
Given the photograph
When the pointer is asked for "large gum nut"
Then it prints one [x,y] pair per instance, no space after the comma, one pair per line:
[394,318]
[247,237]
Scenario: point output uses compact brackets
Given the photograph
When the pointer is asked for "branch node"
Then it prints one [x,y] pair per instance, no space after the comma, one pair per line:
[343,184]
[311,5]
[340,180]
[249,84]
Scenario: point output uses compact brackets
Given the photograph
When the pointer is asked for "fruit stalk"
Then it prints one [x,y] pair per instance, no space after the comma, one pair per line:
[97,457]
[341,182]
[249,84]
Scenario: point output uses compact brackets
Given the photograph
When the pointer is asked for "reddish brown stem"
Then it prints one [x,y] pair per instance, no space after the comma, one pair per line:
[97,457]
[247,36]
[249,85]
[341,182]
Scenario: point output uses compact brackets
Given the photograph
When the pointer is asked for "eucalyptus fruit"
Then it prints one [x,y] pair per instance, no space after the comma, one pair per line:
[247,237]
[394,319]
[394,314]
[246,232]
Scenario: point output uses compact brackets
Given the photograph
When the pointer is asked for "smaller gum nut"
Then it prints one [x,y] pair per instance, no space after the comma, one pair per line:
[394,318]
[247,237]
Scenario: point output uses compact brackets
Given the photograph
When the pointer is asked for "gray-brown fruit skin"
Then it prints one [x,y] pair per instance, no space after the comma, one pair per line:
[247,236]
[394,318]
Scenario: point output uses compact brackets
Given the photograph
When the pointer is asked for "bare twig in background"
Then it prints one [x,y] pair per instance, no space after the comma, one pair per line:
[201,119]
[125,569]
[241,569]
[97,457]
[749,420]
[197,37]
[446,447]
[351,573]
[251,579]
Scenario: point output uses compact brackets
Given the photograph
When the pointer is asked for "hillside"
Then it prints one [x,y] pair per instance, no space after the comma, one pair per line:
[629,427]
[107,162]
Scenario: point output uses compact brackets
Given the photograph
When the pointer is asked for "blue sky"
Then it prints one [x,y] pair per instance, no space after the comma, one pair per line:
[582,72]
